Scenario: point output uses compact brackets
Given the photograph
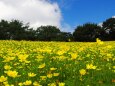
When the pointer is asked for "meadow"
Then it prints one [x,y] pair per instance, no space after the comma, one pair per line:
[27,63]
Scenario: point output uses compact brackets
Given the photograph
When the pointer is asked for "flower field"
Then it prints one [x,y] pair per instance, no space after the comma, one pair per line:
[29,63]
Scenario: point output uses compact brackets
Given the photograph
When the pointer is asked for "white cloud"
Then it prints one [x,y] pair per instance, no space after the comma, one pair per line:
[100,24]
[67,28]
[36,12]
[113,16]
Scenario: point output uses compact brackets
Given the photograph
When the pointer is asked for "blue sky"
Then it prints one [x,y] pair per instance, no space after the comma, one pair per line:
[78,12]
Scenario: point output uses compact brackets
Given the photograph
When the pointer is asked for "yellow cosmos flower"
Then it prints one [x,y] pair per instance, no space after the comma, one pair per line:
[99,41]
[60,52]
[61,84]
[36,84]
[6,83]
[7,67]
[109,55]
[73,56]
[53,68]
[3,79]
[43,77]
[109,46]
[41,66]
[27,82]
[49,75]
[31,74]
[55,74]
[12,73]
[52,84]
[8,59]
[22,58]
[90,66]
[82,71]
[20,84]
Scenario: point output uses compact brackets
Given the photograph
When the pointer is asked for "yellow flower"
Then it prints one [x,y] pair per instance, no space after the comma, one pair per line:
[8,59]
[73,56]
[41,66]
[22,58]
[7,67]
[99,41]
[113,67]
[53,68]
[11,85]
[20,84]
[27,82]
[31,74]
[51,84]
[61,84]
[90,66]
[109,46]
[3,79]
[109,55]
[49,75]
[43,77]
[36,84]
[81,49]
[94,67]
[55,74]
[12,73]
[60,52]
[82,71]
[6,83]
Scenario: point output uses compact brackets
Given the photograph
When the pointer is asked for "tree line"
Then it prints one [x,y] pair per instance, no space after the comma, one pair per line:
[16,30]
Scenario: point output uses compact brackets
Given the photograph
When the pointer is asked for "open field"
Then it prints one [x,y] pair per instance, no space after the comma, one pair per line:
[25,63]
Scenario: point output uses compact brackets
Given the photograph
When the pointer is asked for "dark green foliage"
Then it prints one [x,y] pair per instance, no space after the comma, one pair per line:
[31,35]
[87,32]
[109,27]
[64,36]
[47,33]
[16,30]
[4,30]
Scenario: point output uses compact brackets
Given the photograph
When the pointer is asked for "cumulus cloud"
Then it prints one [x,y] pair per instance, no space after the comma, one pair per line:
[36,12]
[67,28]
[113,16]
[100,24]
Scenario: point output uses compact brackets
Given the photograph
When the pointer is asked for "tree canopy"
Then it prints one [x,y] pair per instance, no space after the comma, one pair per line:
[47,33]
[109,27]
[87,32]
[17,30]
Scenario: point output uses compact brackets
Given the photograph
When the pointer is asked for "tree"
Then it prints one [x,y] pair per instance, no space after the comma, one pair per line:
[31,34]
[109,27]
[17,30]
[65,36]
[47,33]
[4,30]
[87,32]
[14,29]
